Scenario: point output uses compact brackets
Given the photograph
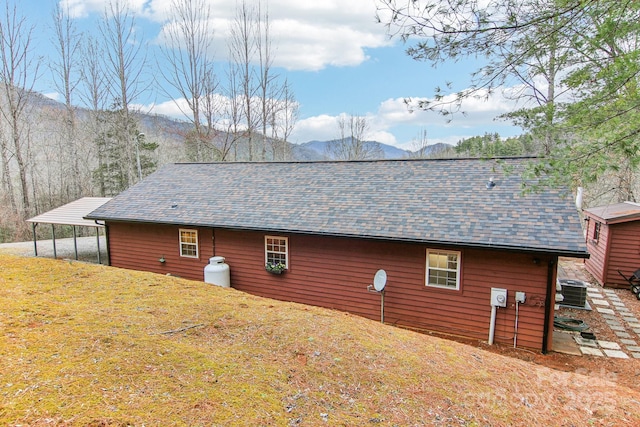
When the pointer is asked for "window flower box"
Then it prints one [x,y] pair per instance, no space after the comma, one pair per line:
[275,268]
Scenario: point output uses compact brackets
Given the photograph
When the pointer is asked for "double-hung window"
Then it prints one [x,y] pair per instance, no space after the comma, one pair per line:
[443,269]
[276,250]
[189,243]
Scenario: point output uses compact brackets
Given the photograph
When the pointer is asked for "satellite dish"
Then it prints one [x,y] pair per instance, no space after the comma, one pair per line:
[380,280]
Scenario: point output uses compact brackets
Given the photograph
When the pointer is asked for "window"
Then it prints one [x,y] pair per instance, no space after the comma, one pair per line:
[443,269]
[189,243]
[276,250]
[596,231]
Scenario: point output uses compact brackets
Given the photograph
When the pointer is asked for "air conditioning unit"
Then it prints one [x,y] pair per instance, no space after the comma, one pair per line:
[574,293]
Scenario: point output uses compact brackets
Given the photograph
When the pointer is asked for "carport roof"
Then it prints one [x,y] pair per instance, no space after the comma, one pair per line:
[72,213]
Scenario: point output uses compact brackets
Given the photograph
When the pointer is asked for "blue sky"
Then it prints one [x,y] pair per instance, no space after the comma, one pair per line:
[338,60]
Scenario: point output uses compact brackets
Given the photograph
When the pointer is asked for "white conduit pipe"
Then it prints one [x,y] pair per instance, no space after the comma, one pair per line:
[515,333]
[492,325]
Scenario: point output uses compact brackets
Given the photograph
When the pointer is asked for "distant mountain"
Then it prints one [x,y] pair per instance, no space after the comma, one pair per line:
[323,150]
[167,130]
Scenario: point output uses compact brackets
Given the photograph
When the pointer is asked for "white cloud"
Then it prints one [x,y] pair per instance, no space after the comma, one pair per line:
[174,109]
[305,35]
[382,124]
[53,95]
[323,127]
[394,113]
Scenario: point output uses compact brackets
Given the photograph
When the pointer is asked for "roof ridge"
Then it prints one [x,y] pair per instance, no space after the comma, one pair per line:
[360,161]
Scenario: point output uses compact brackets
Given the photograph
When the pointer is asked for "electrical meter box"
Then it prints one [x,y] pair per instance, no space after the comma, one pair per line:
[498,297]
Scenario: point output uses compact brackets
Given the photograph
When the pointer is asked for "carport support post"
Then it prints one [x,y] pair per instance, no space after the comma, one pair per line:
[35,239]
[75,242]
[53,237]
[98,242]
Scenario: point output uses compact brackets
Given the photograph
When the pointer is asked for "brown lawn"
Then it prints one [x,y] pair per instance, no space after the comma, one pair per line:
[91,345]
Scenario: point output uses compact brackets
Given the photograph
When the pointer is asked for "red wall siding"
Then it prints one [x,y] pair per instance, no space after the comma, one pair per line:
[624,253]
[334,273]
[597,260]
[617,248]
[139,246]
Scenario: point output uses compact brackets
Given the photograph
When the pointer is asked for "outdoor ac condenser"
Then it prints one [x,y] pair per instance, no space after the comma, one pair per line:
[574,293]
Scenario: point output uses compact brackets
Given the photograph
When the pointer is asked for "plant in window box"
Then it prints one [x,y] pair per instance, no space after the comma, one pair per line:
[275,267]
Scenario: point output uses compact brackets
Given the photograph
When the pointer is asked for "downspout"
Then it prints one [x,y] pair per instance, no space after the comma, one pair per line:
[106,239]
[492,324]
[549,299]
[98,243]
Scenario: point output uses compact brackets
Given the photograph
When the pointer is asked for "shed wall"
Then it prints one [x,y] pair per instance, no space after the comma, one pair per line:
[596,263]
[617,248]
[624,253]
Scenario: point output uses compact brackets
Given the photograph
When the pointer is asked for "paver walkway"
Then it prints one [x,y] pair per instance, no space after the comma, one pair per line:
[617,316]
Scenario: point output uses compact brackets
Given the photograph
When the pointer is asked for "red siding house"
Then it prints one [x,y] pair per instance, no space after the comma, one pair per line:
[613,240]
[445,231]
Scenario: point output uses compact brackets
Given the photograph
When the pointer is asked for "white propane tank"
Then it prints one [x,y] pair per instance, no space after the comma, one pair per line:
[217,272]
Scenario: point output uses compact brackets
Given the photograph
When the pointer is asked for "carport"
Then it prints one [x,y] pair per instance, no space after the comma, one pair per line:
[70,214]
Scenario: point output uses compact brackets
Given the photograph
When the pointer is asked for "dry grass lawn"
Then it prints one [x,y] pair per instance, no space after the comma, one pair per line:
[91,345]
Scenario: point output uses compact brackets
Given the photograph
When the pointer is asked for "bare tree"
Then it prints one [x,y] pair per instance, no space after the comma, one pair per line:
[190,71]
[242,52]
[92,96]
[268,93]
[231,133]
[65,68]
[351,144]
[283,120]
[419,145]
[19,72]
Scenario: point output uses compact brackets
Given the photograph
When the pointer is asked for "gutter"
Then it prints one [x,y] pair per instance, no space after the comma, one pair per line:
[521,249]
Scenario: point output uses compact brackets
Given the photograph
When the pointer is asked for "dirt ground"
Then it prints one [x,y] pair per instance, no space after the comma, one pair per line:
[622,371]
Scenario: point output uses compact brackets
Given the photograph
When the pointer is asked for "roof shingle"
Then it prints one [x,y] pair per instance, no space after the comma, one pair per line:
[429,201]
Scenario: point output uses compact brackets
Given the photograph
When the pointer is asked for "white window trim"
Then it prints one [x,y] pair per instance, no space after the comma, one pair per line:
[197,255]
[286,253]
[457,270]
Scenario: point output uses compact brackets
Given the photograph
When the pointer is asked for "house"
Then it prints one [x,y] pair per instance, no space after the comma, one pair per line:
[613,240]
[445,231]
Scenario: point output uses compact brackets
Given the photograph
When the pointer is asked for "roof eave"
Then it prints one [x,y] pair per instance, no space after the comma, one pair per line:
[500,247]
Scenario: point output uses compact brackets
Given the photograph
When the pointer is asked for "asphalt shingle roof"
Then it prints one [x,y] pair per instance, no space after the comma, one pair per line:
[429,201]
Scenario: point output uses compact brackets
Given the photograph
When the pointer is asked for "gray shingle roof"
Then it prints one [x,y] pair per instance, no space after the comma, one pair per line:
[429,201]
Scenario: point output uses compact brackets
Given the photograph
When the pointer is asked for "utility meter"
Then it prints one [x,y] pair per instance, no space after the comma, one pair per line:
[498,297]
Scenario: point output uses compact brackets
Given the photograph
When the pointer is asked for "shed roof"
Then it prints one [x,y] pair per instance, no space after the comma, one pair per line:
[615,213]
[72,213]
[427,201]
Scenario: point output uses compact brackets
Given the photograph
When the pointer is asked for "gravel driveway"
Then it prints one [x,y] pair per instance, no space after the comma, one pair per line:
[87,249]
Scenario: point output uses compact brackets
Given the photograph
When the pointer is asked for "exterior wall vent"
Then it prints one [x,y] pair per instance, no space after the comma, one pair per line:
[574,293]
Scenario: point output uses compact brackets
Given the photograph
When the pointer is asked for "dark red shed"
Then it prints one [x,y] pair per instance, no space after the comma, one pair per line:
[613,240]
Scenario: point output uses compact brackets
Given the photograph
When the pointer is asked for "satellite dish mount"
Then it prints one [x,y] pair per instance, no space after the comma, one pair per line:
[379,282]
